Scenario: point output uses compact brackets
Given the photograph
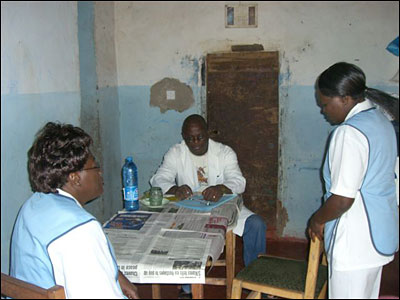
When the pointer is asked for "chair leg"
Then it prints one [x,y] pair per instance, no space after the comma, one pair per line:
[254,295]
[236,289]
[322,294]
[230,261]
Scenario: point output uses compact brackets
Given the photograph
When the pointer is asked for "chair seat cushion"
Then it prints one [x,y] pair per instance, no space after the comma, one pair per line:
[282,273]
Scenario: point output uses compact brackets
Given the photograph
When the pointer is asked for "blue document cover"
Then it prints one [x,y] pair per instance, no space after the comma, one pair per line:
[133,221]
[198,202]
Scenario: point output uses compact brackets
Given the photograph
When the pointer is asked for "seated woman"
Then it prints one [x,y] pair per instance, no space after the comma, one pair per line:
[55,240]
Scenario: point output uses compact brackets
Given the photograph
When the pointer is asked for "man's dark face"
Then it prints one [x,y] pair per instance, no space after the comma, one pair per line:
[196,138]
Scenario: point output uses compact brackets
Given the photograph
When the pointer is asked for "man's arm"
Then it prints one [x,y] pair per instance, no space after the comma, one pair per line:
[165,177]
[234,181]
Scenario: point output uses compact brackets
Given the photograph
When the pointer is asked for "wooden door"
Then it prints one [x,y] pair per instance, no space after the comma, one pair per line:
[242,112]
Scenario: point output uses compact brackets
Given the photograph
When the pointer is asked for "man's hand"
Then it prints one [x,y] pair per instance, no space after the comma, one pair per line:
[183,192]
[213,193]
[128,288]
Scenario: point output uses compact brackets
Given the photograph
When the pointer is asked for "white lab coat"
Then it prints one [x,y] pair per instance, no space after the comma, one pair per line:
[223,168]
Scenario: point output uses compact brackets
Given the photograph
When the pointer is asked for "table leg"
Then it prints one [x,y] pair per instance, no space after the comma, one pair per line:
[230,245]
[198,291]
[156,291]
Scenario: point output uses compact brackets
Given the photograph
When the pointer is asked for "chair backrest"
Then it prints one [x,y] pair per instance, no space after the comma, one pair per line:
[19,289]
[284,277]
[314,261]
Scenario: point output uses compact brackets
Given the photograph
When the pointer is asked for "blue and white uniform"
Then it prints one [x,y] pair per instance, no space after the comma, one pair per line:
[56,241]
[361,164]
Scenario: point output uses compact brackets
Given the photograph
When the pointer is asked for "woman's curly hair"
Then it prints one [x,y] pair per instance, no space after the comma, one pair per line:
[58,150]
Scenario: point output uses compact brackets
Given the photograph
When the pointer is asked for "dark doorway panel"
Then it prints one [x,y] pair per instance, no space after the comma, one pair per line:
[243,112]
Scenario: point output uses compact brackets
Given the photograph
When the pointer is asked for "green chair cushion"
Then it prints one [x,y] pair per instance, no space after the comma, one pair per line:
[282,273]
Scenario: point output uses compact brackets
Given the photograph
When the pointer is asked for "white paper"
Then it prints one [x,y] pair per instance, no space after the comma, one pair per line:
[172,246]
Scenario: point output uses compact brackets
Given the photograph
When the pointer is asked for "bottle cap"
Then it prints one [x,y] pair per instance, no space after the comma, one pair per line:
[129,158]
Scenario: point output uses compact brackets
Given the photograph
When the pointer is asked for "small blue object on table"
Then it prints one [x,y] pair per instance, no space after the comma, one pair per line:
[197,202]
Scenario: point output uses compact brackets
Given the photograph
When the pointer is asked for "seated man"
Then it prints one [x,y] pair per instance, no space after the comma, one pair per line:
[199,164]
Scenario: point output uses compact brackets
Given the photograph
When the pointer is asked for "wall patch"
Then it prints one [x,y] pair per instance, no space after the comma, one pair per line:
[170,93]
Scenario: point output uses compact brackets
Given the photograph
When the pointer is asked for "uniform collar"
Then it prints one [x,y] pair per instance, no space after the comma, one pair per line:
[359,107]
[64,193]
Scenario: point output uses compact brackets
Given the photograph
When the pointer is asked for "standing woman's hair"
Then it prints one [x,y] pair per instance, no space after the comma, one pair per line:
[58,150]
[344,79]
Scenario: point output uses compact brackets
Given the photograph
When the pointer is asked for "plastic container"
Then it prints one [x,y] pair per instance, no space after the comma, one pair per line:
[130,185]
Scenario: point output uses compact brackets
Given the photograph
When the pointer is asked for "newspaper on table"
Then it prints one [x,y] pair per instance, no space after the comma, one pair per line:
[230,210]
[168,247]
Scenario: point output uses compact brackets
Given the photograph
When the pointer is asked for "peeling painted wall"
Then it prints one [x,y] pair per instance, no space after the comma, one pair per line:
[309,37]
[312,36]
[170,93]
[108,107]
[39,83]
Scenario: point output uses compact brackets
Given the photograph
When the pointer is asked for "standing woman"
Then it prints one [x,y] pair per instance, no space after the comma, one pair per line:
[359,219]
[56,241]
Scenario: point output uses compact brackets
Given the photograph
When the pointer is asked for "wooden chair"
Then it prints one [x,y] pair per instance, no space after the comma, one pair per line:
[19,289]
[285,278]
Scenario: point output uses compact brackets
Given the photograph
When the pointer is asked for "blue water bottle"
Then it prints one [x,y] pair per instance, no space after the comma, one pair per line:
[130,183]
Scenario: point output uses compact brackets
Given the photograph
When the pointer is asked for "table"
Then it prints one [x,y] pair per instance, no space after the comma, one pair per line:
[153,269]
[229,263]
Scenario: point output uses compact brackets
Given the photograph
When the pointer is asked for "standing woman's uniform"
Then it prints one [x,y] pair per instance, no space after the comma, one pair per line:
[360,164]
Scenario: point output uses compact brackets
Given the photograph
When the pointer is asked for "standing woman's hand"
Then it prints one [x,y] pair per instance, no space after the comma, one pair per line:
[315,229]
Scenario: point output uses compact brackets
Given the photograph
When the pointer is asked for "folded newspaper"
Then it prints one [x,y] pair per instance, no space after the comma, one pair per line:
[197,202]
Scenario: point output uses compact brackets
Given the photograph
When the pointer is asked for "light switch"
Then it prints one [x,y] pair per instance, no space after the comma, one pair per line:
[170,95]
